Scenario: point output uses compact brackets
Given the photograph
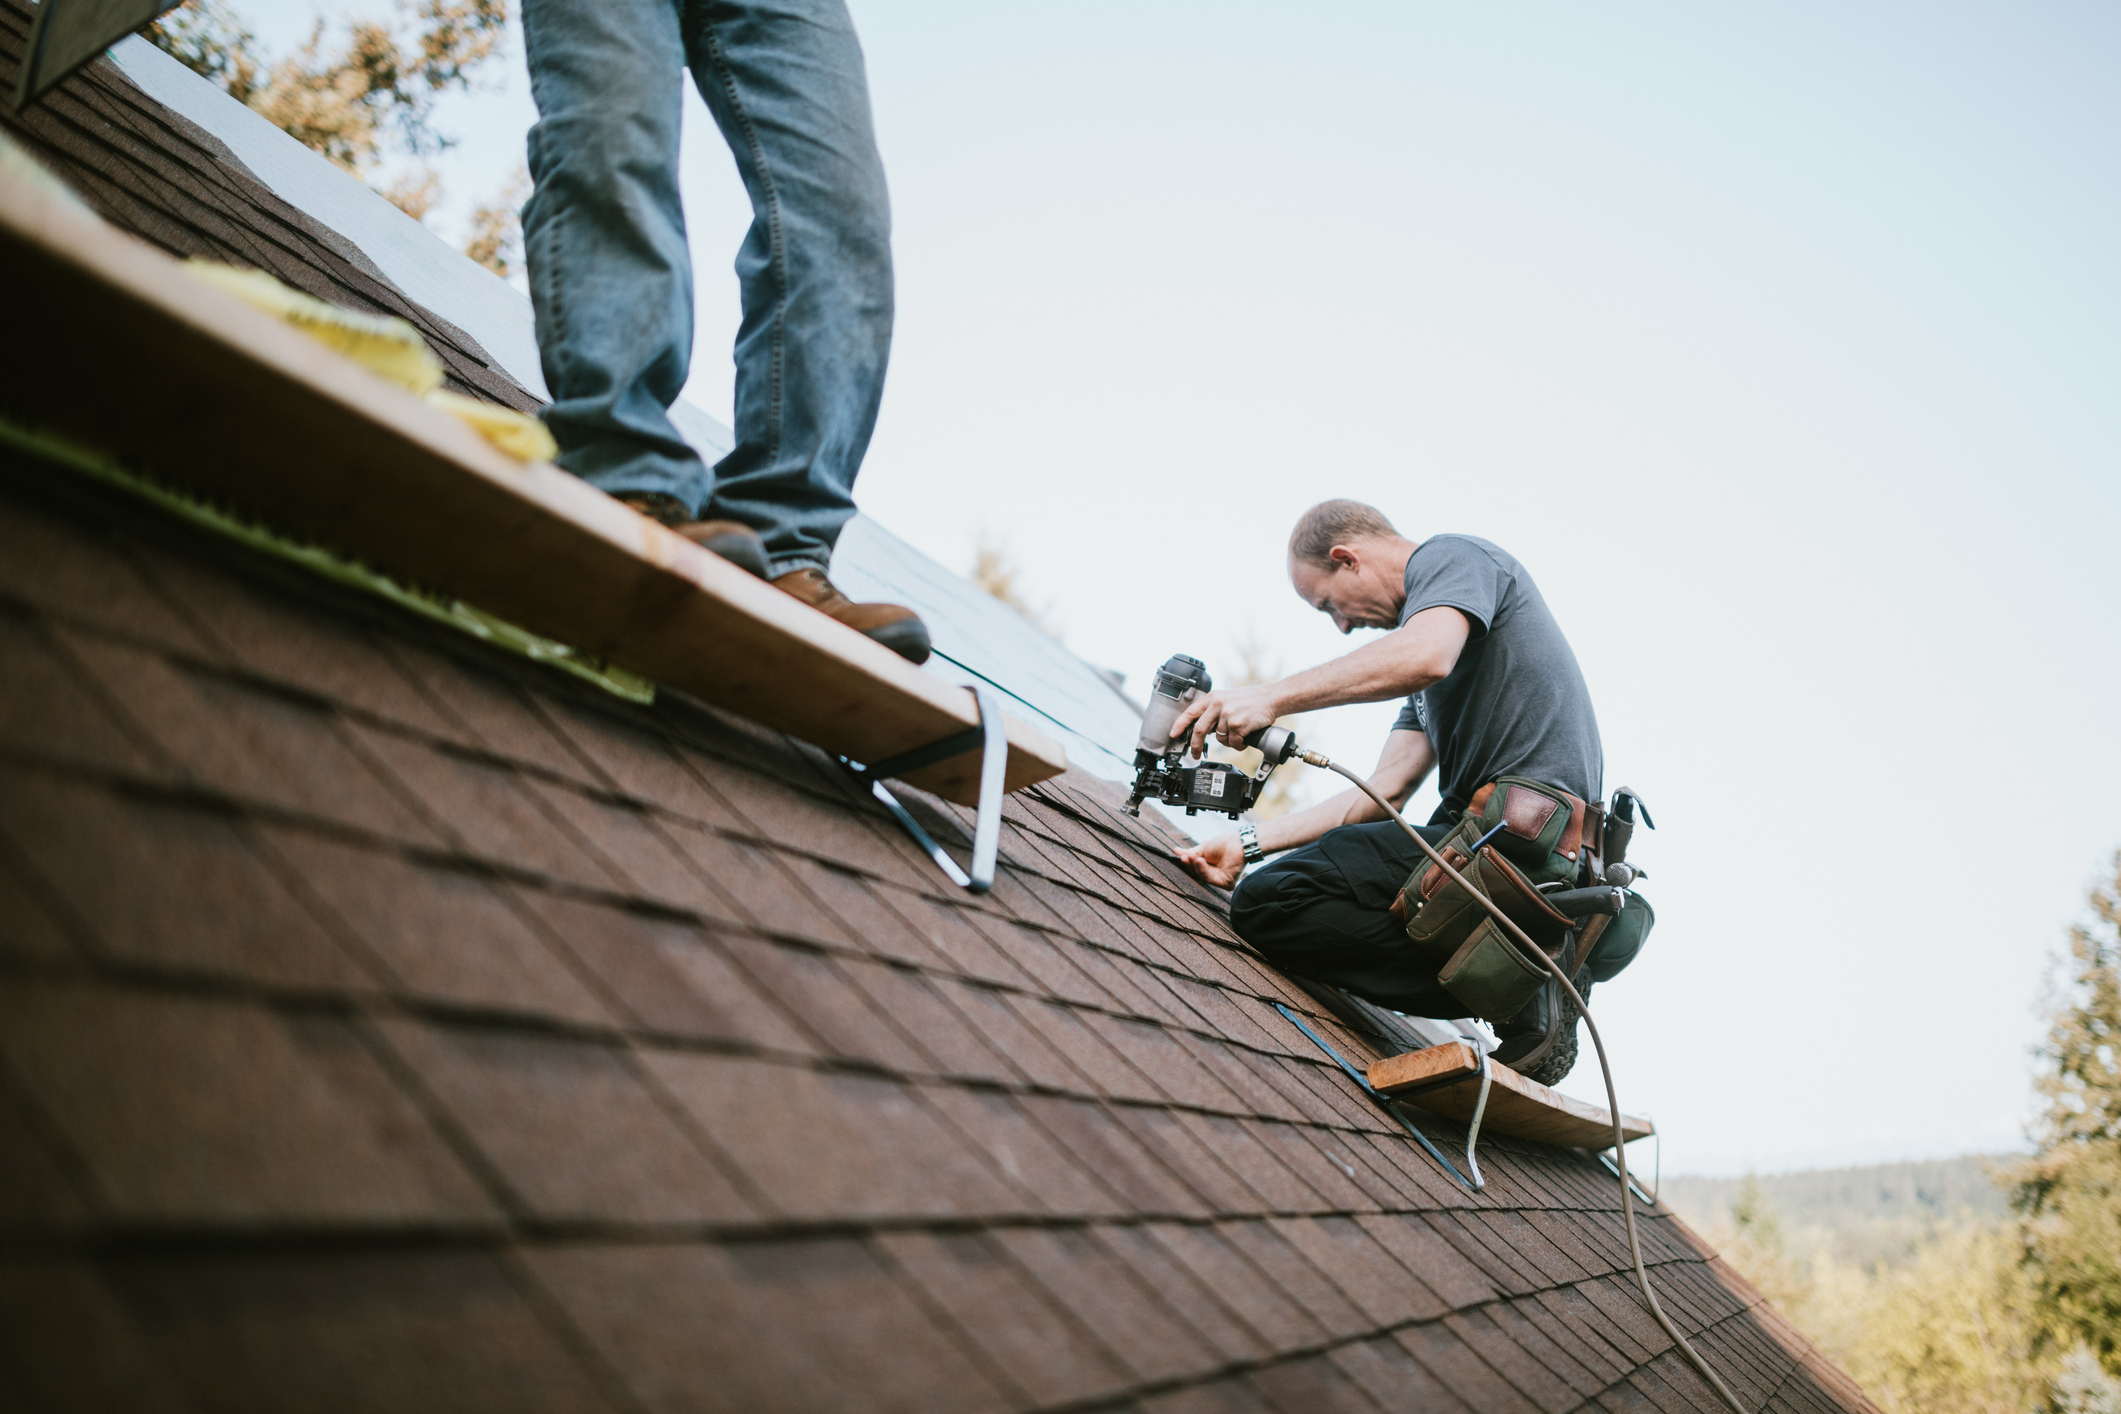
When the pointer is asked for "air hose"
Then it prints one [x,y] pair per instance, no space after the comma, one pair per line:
[1612,1098]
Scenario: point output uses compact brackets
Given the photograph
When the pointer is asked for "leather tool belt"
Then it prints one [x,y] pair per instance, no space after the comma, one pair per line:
[1515,835]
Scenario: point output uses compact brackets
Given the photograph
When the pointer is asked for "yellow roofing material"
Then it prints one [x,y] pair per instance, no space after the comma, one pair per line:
[387,347]
[383,344]
[517,433]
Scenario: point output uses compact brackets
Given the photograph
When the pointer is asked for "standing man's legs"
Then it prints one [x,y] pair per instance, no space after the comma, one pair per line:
[1323,912]
[785,82]
[604,235]
[611,274]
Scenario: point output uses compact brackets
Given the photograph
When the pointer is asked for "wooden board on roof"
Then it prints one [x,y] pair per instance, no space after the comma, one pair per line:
[1520,1108]
[112,345]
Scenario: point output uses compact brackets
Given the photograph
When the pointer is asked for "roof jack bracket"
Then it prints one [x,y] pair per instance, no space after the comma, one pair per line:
[1474,1184]
[1605,1156]
[991,738]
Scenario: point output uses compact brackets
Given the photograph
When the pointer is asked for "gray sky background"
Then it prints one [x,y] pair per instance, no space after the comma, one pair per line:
[1780,343]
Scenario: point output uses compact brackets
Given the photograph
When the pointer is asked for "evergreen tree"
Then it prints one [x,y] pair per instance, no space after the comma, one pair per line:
[2070,1191]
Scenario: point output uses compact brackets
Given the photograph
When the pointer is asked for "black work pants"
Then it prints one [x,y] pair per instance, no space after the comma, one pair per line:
[1323,912]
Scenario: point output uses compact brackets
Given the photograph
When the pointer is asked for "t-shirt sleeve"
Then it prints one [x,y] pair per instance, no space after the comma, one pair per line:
[1409,719]
[1450,572]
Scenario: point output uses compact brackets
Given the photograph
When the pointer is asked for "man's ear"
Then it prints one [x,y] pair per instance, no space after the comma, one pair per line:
[1342,557]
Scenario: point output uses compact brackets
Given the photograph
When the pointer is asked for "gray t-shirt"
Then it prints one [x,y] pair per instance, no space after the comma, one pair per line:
[1515,704]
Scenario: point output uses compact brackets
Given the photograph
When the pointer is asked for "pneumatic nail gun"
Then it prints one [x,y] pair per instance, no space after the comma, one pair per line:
[1161,771]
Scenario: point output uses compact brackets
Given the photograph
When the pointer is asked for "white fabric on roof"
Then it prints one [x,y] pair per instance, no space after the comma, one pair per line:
[425,267]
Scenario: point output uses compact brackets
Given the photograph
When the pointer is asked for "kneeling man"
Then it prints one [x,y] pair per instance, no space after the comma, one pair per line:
[1492,691]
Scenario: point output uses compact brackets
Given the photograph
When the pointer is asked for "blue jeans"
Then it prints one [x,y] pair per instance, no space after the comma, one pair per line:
[611,275]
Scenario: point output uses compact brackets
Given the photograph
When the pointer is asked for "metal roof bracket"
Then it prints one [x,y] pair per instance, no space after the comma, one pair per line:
[1384,1102]
[991,738]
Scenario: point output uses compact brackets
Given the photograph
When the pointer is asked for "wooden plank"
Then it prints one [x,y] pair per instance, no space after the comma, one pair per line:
[110,344]
[1520,1108]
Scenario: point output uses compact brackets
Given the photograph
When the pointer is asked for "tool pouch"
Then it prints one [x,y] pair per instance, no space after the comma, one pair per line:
[1621,939]
[1542,825]
[1480,963]
[1536,837]
[1491,975]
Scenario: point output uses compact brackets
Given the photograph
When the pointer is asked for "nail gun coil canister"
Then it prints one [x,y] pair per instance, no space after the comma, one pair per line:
[1178,682]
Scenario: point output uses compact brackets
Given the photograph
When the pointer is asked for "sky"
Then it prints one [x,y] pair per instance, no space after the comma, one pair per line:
[1777,342]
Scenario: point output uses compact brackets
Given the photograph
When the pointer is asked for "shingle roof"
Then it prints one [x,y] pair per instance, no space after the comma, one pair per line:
[373,1003]
[388,1023]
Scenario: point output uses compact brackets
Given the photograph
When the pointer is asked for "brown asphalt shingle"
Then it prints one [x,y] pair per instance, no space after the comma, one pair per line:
[671,978]
[444,936]
[120,864]
[568,1127]
[47,712]
[819,1323]
[829,1146]
[1058,1179]
[354,1331]
[214,1114]
[1008,1318]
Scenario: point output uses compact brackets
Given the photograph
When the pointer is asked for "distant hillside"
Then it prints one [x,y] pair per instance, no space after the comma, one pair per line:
[1861,1215]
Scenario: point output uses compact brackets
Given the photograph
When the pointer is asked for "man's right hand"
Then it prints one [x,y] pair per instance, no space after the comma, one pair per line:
[1218,861]
[1227,716]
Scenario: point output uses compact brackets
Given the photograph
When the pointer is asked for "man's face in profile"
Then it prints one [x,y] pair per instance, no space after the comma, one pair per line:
[1353,591]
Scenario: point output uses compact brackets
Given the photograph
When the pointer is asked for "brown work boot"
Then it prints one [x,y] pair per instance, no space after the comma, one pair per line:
[893,625]
[732,540]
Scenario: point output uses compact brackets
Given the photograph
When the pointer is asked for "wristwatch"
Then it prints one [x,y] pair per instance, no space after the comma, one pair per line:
[1249,838]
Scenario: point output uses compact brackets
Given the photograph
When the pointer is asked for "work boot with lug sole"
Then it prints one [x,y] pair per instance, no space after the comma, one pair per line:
[1539,1042]
[732,540]
[893,625]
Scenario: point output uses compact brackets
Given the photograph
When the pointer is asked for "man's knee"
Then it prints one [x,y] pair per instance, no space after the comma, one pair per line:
[1267,905]
[1245,902]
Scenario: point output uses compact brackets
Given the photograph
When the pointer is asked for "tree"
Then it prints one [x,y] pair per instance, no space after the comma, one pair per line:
[995,569]
[496,240]
[1754,1243]
[1948,1332]
[360,103]
[1944,1330]
[2069,1192]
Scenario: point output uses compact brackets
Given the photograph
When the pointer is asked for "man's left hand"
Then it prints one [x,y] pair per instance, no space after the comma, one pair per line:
[1229,716]
[1217,861]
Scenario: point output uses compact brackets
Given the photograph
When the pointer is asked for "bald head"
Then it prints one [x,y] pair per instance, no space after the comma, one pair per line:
[1331,523]
[1346,561]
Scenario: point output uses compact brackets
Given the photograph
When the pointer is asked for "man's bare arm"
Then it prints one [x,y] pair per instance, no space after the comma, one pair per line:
[1401,768]
[1419,652]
